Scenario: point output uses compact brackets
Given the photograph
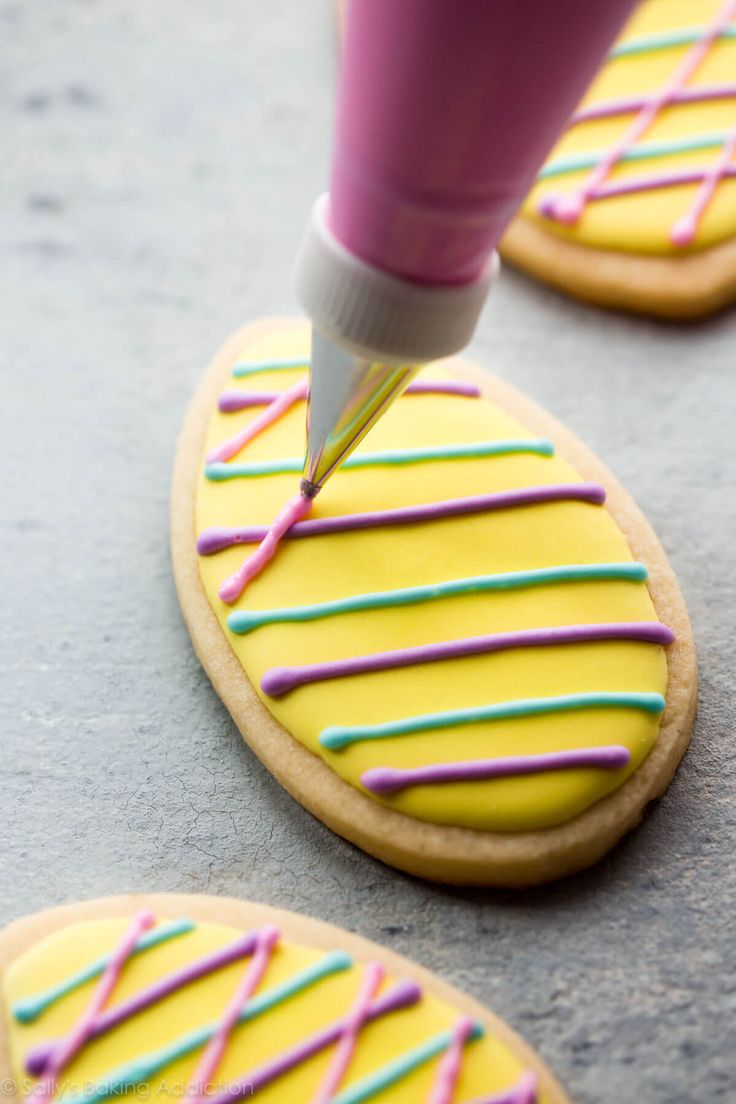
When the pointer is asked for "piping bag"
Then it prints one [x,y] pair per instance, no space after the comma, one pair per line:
[446,110]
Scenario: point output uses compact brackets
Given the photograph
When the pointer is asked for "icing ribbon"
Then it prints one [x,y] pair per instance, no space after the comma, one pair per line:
[218,538]
[275,410]
[356,1017]
[339,736]
[523,1092]
[388,780]
[294,510]
[448,1070]
[68,1047]
[281,680]
[567,209]
[213,1052]
[246,368]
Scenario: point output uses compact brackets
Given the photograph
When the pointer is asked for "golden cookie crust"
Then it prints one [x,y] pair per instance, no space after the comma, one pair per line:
[453,855]
[677,288]
[24,933]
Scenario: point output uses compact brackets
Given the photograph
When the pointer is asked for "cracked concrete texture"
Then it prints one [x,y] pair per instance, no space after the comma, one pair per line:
[159,162]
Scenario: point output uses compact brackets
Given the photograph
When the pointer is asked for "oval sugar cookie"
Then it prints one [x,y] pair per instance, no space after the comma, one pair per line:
[172,996]
[472,658]
[636,206]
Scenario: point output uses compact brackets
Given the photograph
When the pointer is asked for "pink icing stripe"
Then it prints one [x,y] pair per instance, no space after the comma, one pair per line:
[523,1092]
[568,208]
[389,780]
[216,539]
[611,108]
[230,401]
[280,680]
[80,1033]
[356,1017]
[684,230]
[213,1052]
[295,509]
[448,1070]
[271,414]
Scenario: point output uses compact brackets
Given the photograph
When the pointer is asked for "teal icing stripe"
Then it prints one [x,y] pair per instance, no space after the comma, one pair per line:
[664,40]
[30,1008]
[245,621]
[338,736]
[218,472]
[142,1068]
[400,1067]
[577,161]
[279,364]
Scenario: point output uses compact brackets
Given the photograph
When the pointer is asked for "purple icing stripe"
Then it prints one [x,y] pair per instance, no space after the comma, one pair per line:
[280,680]
[38,1056]
[216,539]
[404,994]
[639,184]
[230,401]
[636,103]
[388,780]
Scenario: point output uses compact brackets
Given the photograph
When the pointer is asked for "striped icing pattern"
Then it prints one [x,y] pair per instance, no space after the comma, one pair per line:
[279,1019]
[648,162]
[373,623]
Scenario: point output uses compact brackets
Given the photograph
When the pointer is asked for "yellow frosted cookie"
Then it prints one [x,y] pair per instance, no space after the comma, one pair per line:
[636,205]
[209,999]
[471,658]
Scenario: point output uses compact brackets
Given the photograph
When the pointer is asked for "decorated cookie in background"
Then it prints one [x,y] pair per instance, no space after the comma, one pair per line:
[471,657]
[636,206]
[174,997]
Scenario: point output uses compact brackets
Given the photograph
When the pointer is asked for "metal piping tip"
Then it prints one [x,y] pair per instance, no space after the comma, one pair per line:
[347,395]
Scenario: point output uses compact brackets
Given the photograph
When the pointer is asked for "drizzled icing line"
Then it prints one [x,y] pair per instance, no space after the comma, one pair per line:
[663,40]
[340,736]
[356,1017]
[281,680]
[610,108]
[401,1067]
[218,538]
[245,368]
[294,510]
[30,1008]
[232,401]
[66,1049]
[390,457]
[568,208]
[448,1070]
[523,1092]
[215,1049]
[384,781]
[245,621]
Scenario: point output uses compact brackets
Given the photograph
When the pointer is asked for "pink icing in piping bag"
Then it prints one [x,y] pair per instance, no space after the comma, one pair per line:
[296,508]
[66,1049]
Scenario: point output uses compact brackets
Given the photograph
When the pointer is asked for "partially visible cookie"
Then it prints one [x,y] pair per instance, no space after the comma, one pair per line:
[460,660]
[636,206]
[171,997]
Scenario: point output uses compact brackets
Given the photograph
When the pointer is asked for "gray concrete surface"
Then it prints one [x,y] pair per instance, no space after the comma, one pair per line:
[158,161]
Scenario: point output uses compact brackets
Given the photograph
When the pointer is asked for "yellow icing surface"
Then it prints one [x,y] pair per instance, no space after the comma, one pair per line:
[640,223]
[328,567]
[488,1064]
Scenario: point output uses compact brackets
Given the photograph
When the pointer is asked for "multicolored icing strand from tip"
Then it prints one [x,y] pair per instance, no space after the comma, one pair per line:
[386,781]
[247,1003]
[568,208]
